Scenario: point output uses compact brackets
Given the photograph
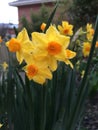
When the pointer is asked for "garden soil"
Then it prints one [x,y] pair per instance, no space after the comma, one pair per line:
[90,121]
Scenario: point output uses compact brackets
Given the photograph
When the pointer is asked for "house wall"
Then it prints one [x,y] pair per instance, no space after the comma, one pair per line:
[27,9]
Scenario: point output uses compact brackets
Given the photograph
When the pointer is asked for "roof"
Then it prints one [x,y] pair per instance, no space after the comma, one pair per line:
[8,25]
[29,2]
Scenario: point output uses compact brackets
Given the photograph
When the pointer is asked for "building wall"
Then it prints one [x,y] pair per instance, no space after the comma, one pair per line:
[28,9]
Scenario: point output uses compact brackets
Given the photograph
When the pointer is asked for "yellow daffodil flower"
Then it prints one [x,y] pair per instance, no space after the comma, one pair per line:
[42,27]
[51,46]
[37,71]
[1,125]
[82,73]
[86,49]
[66,28]
[20,45]
[69,55]
[5,66]
[90,31]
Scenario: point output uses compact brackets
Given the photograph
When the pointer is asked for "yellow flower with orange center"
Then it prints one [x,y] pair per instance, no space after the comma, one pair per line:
[42,27]
[50,46]
[69,55]
[66,28]
[86,49]
[90,31]
[37,71]
[20,45]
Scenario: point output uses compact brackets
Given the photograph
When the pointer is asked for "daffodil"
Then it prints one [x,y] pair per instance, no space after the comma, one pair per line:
[90,31]
[66,28]
[82,73]
[50,46]
[42,27]
[5,66]
[69,55]
[1,125]
[20,45]
[86,49]
[37,71]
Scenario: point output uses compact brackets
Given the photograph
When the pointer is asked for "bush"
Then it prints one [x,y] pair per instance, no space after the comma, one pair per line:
[36,20]
[83,11]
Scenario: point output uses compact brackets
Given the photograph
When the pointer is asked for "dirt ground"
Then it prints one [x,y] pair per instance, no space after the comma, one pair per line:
[90,121]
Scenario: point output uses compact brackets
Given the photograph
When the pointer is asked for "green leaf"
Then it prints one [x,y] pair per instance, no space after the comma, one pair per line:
[51,17]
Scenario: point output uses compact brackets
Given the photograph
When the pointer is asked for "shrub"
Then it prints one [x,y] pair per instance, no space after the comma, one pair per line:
[83,11]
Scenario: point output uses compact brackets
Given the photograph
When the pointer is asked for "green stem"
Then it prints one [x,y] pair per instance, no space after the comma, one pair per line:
[30,103]
[43,106]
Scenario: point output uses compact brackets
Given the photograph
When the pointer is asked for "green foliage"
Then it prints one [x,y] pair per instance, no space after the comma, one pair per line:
[36,19]
[26,24]
[83,2]
[94,82]
[83,11]
[63,7]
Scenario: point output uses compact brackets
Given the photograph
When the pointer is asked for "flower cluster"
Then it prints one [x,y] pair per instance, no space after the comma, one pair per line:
[43,52]
[88,41]
[81,43]
[56,58]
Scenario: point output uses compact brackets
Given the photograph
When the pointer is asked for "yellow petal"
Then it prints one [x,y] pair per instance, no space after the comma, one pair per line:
[39,38]
[60,29]
[1,125]
[52,32]
[69,54]
[46,73]
[23,35]
[28,57]
[39,79]
[52,63]
[64,23]
[68,63]
[19,57]
[5,65]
